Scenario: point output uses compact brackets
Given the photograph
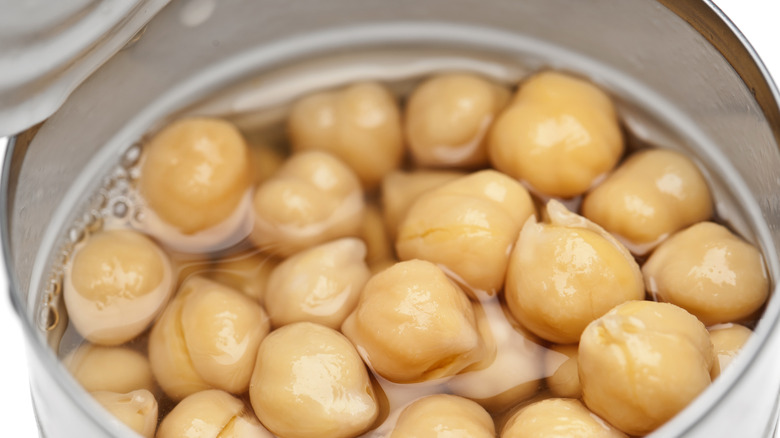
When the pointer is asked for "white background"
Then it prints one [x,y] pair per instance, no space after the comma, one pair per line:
[757,19]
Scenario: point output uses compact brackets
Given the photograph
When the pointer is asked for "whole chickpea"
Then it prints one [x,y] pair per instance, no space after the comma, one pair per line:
[444,415]
[448,118]
[560,134]
[360,124]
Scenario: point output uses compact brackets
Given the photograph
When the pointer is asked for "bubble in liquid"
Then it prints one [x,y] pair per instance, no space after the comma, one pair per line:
[131,156]
[119,209]
[94,221]
[75,235]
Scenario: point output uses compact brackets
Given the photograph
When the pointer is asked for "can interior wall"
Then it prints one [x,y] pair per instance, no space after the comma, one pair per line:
[657,63]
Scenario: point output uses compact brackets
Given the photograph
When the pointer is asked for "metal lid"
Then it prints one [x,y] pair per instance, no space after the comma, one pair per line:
[48,48]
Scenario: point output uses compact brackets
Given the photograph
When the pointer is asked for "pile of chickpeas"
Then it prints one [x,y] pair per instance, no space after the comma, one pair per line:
[485,263]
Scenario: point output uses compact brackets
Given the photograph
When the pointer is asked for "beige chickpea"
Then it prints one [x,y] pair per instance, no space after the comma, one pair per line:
[360,124]
[511,371]
[312,199]
[310,382]
[448,118]
[709,272]
[560,364]
[444,415]
[560,134]
[557,417]
[554,269]
[207,338]
[414,324]
[211,413]
[467,227]
[320,285]
[727,340]
[137,409]
[650,196]
[642,363]
[115,285]
[114,369]
[247,272]
[195,179]
[400,189]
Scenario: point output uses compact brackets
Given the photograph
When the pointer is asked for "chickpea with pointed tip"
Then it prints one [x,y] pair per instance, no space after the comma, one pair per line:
[309,381]
[211,413]
[560,134]
[115,285]
[195,180]
[710,272]
[653,194]
[448,118]
[360,124]
[312,199]
[554,267]
[413,324]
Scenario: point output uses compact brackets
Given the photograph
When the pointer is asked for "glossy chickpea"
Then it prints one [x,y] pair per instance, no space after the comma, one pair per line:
[320,285]
[312,199]
[137,409]
[207,338]
[413,324]
[552,270]
[360,124]
[400,189]
[560,364]
[642,363]
[709,272]
[650,196]
[443,415]
[727,340]
[467,227]
[115,285]
[114,369]
[310,382]
[560,134]
[247,272]
[195,179]
[211,413]
[557,417]
[448,118]
[511,371]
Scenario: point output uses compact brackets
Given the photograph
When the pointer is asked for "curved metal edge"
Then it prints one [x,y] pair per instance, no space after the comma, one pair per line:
[726,38]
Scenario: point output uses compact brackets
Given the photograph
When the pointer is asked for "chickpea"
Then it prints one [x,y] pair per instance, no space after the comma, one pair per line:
[360,124]
[510,373]
[448,118]
[116,283]
[310,382]
[650,196]
[400,189]
[557,417]
[727,340]
[414,324]
[247,272]
[211,413]
[195,178]
[207,338]
[560,134]
[710,272]
[562,372]
[467,227]
[642,363]
[136,409]
[320,285]
[553,269]
[114,369]
[312,199]
[444,415]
